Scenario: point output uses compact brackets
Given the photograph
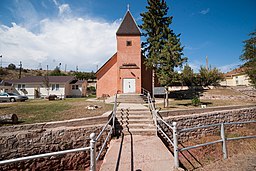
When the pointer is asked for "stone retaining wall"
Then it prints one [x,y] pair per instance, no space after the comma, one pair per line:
[31,139]
[188,121]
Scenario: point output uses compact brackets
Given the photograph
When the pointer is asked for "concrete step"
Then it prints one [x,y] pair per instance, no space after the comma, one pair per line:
[125,117]
[134,121]
[136,126]
[144,132]
[135,111]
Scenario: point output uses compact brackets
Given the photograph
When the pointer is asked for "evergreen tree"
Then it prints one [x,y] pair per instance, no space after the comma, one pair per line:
[187,75]
[162,48]
[249,56]
[57,72]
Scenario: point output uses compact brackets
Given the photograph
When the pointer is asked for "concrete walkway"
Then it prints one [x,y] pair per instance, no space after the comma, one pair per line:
[137,152]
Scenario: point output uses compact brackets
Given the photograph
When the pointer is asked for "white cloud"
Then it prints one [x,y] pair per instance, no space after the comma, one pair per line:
[64,8]
[75,41]
[205,11]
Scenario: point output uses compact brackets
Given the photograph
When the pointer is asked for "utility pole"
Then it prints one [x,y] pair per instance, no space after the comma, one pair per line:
[65,67]
[20,70]
[207,68]
[1,60]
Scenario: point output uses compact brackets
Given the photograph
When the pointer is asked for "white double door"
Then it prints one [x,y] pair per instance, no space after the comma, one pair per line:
[129,85]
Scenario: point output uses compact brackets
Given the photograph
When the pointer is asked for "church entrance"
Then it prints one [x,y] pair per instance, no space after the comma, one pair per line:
[129,85]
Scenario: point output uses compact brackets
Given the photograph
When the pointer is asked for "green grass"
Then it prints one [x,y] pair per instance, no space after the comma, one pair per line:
[35,111]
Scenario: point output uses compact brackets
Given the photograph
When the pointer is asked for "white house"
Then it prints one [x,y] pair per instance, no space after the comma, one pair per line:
[42,86]
[236,77]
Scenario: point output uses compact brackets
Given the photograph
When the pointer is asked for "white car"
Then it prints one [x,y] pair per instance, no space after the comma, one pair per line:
[12,97]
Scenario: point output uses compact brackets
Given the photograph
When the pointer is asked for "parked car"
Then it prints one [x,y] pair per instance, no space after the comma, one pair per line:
[12,97]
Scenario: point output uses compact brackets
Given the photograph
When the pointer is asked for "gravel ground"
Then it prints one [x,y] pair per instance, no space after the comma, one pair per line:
[240,162]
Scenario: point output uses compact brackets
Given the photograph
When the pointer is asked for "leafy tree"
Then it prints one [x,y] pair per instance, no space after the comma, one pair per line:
[187,75]
[57,72]
[249,56]
[210,76]
[205,77]
[162,48]
[85,75]
[11,66]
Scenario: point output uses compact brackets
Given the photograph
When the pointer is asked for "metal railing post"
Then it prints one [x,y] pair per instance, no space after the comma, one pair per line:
[224,146]
[175,145]
[114,116]
[92,152]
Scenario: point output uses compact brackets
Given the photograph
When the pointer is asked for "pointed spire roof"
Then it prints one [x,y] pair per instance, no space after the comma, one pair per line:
[128,26]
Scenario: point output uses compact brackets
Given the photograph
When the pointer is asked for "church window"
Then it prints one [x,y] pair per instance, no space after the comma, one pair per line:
[128,43]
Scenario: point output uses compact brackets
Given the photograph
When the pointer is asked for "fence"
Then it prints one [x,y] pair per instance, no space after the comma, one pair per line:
[92,147]
[176,131]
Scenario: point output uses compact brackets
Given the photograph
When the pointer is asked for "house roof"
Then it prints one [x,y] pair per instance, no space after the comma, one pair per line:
[236,71]
[5,83]
[128,26]
[40,79]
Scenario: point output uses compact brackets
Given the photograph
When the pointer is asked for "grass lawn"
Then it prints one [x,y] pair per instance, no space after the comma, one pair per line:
[35,111]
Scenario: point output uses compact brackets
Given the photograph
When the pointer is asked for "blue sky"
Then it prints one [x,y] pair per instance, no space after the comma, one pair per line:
[82,32]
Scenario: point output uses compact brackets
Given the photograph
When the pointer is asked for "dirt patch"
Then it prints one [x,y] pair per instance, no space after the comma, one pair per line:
[241,153]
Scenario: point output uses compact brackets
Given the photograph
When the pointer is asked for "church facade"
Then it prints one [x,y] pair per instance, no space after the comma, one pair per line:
[125,71]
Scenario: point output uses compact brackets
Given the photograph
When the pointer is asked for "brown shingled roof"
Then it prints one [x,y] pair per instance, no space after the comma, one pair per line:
[128,26]
[39,79]
[236,71]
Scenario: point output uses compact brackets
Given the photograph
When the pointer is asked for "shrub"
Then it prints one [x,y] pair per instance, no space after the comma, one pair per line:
[196,101]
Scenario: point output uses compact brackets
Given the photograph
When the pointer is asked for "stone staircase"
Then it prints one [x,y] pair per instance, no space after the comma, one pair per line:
[134,118]
[135,122]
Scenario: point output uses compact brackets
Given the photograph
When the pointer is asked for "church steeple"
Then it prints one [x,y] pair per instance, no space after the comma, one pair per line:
[128,26]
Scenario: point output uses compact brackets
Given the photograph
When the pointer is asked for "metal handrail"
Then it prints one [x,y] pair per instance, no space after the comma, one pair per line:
[144,91]
[92,147]
[104,128]
[168,125]
[199,127]
[112,118]
[222,140]
[44,155]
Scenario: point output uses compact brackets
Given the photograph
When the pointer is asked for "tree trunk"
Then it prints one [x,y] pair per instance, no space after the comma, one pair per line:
[166,101]
[13,118]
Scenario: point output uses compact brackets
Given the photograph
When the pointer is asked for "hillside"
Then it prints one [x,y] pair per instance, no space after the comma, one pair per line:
[10,74]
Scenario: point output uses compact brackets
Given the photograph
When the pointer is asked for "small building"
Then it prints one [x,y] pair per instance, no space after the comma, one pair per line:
[6,87]
[125,71]
[236,77]
[43,86]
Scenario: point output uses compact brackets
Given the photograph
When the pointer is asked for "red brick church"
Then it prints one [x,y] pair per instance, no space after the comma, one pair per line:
[125,71]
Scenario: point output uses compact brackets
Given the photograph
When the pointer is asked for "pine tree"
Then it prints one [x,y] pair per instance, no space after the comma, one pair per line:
[162,48]
[249,56]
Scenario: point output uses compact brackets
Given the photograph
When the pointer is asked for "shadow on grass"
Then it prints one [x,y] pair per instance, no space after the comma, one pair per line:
[190,104]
